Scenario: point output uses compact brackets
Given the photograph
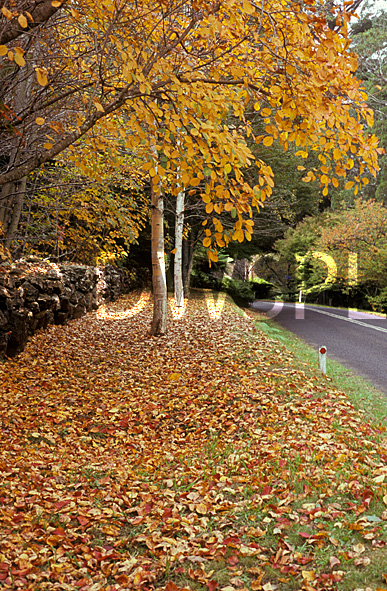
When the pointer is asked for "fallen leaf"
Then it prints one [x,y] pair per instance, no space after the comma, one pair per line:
[359,548]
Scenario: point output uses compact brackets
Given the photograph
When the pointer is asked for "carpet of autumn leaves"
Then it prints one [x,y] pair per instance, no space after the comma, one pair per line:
[205,459]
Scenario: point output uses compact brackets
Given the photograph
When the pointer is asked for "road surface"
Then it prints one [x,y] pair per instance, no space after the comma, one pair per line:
[356,339]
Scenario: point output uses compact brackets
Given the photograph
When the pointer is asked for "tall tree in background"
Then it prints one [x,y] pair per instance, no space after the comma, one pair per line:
[369,35]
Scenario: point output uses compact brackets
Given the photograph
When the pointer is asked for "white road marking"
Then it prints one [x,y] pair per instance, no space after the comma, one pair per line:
[347,319]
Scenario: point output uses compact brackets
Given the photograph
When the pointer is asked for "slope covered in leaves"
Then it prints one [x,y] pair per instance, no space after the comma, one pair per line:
[201,460]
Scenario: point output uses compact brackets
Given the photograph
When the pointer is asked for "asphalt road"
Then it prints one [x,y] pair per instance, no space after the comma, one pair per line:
[356,339]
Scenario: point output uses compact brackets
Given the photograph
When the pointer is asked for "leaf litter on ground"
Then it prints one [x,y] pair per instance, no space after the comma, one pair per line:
[205,459]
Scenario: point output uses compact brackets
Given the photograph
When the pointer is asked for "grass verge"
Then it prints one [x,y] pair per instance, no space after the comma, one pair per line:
[365,397]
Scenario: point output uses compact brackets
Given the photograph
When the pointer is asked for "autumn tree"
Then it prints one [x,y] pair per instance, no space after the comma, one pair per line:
[356,239]
[168,67]
[343,251]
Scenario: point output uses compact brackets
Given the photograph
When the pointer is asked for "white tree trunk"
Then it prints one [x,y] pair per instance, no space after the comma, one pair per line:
[178,266]
[159,322]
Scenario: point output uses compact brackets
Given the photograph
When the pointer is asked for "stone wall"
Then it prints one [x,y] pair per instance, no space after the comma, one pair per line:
[34,294]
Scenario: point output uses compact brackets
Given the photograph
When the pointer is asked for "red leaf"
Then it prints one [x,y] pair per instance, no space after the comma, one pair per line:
[212,585]
[18,517]
[61,504]
[167,513]
[233,560]
[81,582]
[231,541]
[171,587]
[266,491]
[59,531]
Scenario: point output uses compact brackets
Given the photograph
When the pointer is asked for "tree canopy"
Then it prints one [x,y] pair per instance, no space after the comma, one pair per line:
[164,76]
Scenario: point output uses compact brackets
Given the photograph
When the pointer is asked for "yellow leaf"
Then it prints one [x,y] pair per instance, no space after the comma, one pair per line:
[265,112]
[174,251]
[336,154]
[41,76]
[227,168]
[349,184]
[185,179]
[247,7]
[19,59]
[99,107]
[152,172]
[3,50]
[267,141]
[209,207]
[39,121]
[6,13]
[240,236]
[48,146]
[385,499]
[331,56]
[56,4]
[137,579]
[335,182]
[201,508]
[22,21]
[207,242]
[174,376]
[308,575]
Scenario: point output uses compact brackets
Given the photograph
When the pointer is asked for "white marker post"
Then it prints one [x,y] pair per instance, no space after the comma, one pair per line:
[322,359]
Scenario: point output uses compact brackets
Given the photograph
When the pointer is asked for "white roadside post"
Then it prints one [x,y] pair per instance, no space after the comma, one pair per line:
[322,359]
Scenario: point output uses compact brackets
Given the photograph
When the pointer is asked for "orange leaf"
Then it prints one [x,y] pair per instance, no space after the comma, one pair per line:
[267,141]
[22,21]
[41,76]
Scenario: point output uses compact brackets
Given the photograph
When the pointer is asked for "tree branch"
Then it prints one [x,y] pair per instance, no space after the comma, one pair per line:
[41,12]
